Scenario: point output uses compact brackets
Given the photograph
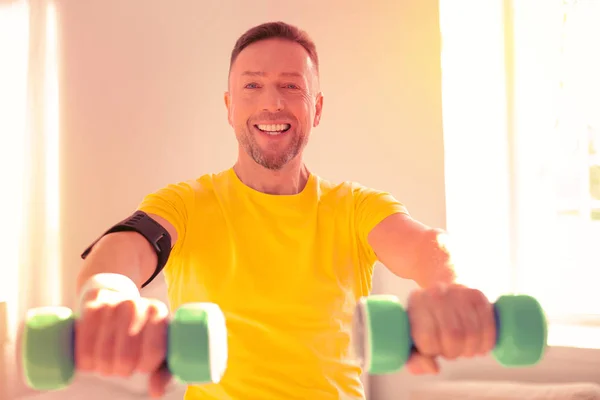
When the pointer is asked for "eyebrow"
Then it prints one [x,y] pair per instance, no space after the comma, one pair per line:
[261,73]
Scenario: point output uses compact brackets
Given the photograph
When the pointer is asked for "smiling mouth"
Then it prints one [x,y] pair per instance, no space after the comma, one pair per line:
[273,129]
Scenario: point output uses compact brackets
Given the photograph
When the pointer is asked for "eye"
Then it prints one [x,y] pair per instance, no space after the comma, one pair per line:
[291,86]
[251,86]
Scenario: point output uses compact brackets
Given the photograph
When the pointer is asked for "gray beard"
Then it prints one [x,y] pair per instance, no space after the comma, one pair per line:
[272,161]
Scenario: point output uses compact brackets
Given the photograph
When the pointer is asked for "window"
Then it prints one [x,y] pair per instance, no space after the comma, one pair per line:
[522,136]
[557,94]
[29,157]
[14,47]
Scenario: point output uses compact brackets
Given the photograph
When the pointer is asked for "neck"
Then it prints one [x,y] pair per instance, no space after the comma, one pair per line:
[289,180]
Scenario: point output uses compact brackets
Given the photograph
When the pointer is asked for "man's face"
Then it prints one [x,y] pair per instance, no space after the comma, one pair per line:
[273,101]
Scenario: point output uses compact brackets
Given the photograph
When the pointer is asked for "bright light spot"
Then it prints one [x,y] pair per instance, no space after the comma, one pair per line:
[52,154]
[474,121]
[29,160]
[14,47]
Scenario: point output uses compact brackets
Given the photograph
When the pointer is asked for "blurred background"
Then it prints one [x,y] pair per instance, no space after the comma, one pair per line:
[483,117]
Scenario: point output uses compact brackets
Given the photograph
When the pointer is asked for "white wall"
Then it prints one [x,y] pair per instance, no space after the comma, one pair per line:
[141,106]
[142,86]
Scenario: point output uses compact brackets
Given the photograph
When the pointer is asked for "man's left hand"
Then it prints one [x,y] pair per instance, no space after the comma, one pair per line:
[449,321]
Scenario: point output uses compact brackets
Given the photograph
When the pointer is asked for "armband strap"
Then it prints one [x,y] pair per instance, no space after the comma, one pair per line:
[151,230]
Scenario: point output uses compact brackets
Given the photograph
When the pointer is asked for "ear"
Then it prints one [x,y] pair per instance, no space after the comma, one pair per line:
[227,98]
[319,109]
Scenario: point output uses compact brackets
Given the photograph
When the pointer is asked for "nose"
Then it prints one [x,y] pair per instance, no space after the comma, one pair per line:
[272,100]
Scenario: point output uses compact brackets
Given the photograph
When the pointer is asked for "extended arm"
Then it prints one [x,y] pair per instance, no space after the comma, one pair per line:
[412,250]
[130,253]
[124,253]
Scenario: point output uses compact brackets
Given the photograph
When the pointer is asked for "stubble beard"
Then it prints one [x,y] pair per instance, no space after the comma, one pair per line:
[275,159]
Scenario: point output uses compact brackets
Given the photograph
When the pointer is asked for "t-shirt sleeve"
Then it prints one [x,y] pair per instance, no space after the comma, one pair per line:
[370,208]
[174,203]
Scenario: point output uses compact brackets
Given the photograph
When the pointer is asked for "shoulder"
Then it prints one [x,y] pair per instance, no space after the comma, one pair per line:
[364,199]
[350,189]
[188,192]
[203,185]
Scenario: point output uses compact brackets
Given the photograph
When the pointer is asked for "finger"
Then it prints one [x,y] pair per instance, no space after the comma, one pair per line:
[127,340]
[87,328]
[158,382]
[452,335]
[472,327]
[487,324]
[450,328]
[423,325]
[105,341]
[154,339]
[418,364]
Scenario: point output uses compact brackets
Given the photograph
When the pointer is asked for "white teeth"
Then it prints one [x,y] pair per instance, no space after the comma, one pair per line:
[273,129]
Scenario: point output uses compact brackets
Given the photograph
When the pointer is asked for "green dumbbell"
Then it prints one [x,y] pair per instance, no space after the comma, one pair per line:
[382,340]
[196,346]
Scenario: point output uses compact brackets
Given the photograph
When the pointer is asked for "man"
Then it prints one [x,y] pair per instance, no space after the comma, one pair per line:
[284,253]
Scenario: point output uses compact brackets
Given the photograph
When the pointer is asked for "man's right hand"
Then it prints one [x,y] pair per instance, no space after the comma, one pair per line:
[118,336]
[119,333]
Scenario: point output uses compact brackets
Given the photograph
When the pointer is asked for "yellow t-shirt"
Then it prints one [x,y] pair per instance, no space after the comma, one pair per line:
[287,272]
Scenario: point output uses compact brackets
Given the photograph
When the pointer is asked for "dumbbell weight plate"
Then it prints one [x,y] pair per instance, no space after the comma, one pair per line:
[47,348]
[381,334]
[522,331]
[197,344]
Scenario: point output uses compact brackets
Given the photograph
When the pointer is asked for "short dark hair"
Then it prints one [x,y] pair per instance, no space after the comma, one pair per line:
[273,30]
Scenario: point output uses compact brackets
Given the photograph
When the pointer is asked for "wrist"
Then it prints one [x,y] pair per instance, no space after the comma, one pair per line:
[435,259]
[108,285]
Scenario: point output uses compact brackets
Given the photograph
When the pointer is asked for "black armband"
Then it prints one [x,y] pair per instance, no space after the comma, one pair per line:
[154,233]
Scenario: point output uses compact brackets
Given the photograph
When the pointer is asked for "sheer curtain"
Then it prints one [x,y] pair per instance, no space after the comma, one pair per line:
[522,134]
[28,159]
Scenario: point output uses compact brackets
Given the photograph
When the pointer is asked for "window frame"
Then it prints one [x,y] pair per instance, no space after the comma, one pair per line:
[508,224]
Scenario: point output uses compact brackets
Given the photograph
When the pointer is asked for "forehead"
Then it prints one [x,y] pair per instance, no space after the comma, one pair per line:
[273,56]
